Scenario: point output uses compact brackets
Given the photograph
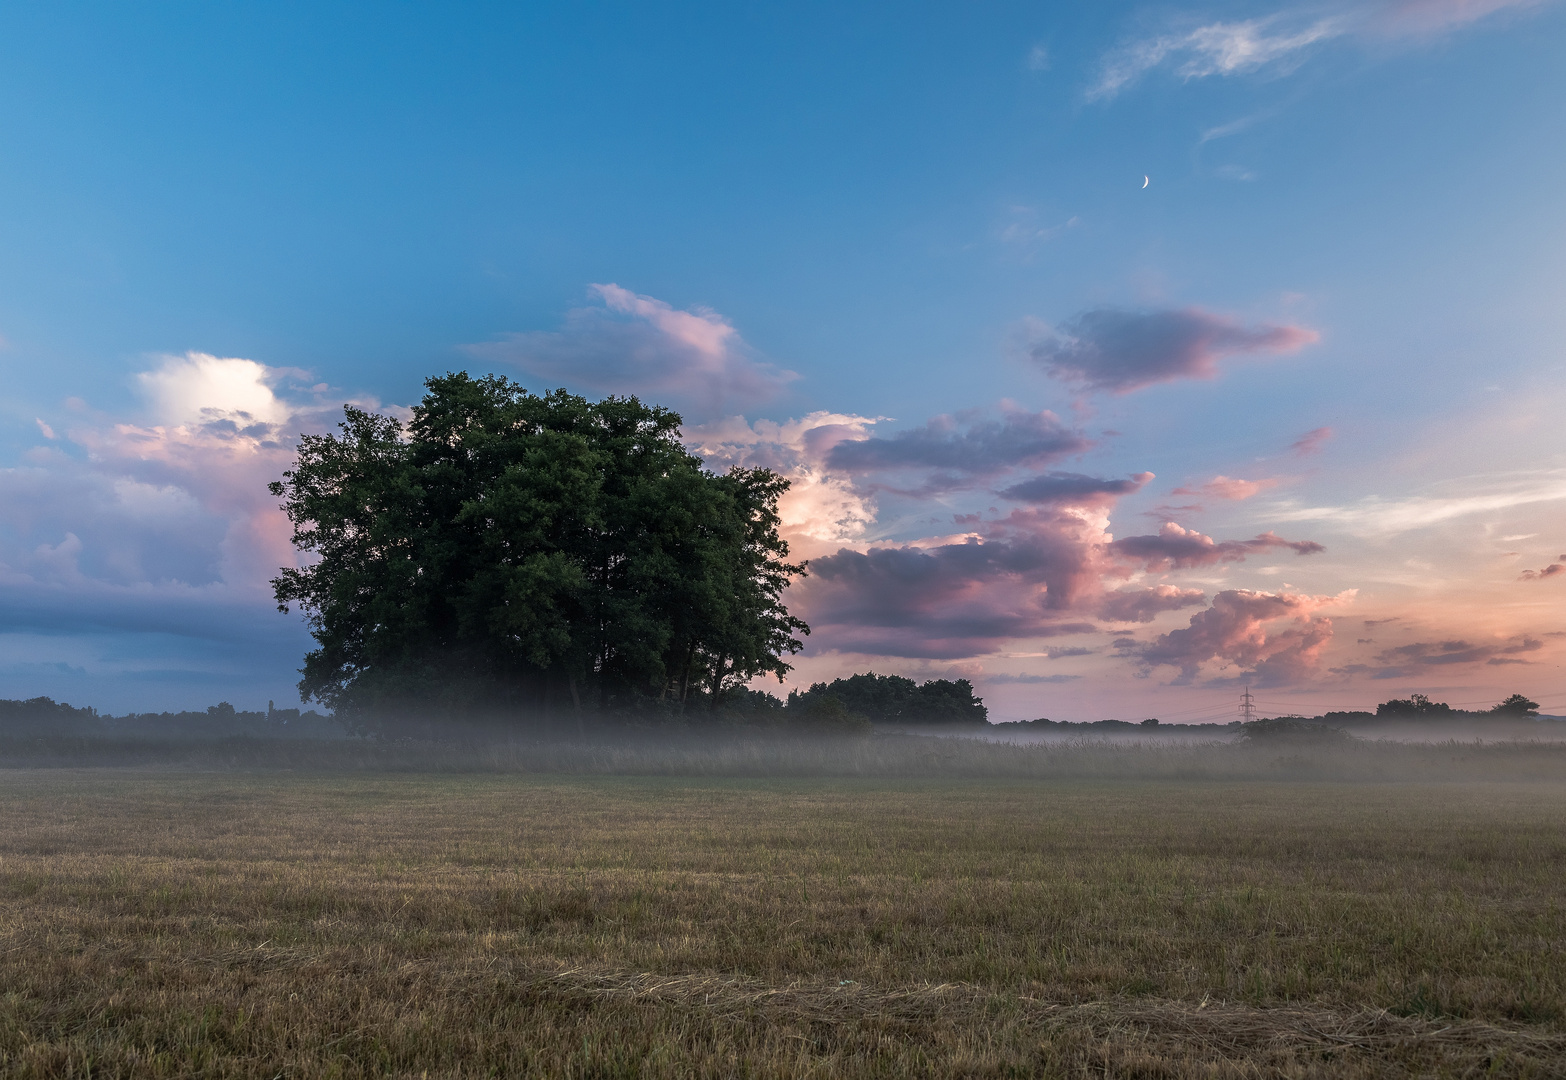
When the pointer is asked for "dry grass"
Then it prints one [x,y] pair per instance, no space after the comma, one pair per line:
[170,923]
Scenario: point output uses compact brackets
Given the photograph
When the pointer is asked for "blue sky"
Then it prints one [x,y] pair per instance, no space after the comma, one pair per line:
[1352,220]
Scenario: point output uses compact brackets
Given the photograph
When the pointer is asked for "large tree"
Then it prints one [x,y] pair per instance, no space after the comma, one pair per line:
[506,553]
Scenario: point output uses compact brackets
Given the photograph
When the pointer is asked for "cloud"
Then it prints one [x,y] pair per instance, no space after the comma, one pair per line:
[637,344]
[1120,351]
[1072,488]
[1422,18]
[1408,660]
[1279,43]
[1028,680]
[1143,605]
[1220,48]
[1178,549]
[1240,629]
[1376,516]
[148,523]
[1311,442]
[950,454]
[1548,572]
[819,504]
[1229,487]
[200,388]
[1028,575]
[44,429]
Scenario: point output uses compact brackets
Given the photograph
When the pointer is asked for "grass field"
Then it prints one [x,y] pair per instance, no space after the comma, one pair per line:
[177,923]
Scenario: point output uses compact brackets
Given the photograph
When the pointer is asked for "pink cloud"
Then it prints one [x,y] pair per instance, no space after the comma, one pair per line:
[1241,630]
[1143,605]
[1311,442]
[1121,351]
[1177,548]
[1229,487]
[635,344]
[1548,572]
[1028,575]
[177,498]
[1421,18]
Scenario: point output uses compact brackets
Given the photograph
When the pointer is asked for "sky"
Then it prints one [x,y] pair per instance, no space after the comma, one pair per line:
[1121,355]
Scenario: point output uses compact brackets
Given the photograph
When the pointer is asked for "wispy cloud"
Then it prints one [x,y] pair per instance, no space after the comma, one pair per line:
[1220,48]
[1377,516]
[1421,658]
[1281,42]
[635,344]
[1311,442]
[1230,488]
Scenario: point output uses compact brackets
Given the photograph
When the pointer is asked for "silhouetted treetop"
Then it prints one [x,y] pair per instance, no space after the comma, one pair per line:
[1415,705]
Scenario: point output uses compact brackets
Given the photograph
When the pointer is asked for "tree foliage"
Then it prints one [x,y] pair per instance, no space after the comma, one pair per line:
[1414,705]
[1516,705]
[509,553]
[893,699]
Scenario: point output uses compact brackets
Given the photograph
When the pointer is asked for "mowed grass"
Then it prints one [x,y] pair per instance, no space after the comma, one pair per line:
[254,924]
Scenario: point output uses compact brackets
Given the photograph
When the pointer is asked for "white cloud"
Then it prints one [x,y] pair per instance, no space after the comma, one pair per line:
[1216,49]
[1281,41]
[199,387]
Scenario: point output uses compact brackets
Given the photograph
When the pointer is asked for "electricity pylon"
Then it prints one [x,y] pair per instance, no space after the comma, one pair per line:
[1247,706]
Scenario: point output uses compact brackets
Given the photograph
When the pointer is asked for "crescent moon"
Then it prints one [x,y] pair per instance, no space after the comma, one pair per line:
[1145,181]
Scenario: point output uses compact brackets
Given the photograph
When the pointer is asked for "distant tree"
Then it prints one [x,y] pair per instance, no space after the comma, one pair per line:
[506,553]
[1414,705]
[1150,723]
[825,714]
[1516,705]
[893,699]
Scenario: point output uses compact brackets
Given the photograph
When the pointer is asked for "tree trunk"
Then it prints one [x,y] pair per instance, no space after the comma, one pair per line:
[576,705]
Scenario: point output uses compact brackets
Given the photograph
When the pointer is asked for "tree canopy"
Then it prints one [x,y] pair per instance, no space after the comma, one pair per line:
[1414,705]
[893,699]
[507,553]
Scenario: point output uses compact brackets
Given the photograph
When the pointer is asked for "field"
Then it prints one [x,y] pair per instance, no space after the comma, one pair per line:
[265,923]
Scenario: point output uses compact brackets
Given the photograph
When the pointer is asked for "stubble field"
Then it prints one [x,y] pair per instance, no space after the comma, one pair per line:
[264,924]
